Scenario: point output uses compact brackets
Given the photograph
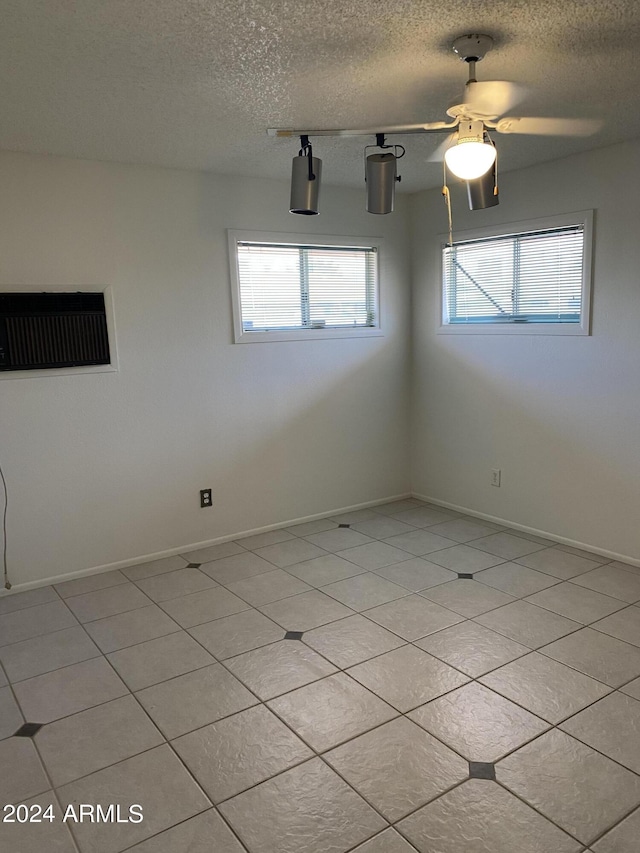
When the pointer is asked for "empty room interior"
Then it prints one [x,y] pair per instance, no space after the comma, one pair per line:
[319,427]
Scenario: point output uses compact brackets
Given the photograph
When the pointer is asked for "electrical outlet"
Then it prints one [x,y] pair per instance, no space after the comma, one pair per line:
[205,497]
[495,476]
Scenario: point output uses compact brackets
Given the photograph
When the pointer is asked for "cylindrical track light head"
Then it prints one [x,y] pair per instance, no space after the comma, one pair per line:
[483,191]
[381,182]
[305,191]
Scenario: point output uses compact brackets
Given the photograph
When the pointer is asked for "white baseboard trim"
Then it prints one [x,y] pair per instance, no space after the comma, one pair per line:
[561,540]
[194,546]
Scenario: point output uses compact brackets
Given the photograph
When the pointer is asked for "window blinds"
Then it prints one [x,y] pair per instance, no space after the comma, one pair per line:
[534,277]
[306,287]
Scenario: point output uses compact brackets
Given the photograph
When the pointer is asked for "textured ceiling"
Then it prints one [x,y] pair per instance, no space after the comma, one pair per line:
[195,83]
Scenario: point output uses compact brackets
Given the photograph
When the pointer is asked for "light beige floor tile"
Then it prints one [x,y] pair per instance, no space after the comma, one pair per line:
[234,754]
[402,505]
[632,689]
[205,833]
[472,648]
[156,780]
[93,739]
[388,841]
[200,607]
[32,837]
[532,537]
[46,653]
[107,602]
[515,580]
[611,726]
[558,563]
[623,838]
[478,723]
[374,555]
[332,710]
[597,655]
[424,516]
[545,687]
[305,611]
[287,553]
[10,602]
[3,678]
[462,530]
[22,773]
[580,552]
[174,584]
[68,690]
[482,817]
[420,542]
[238,633]
[351,641]
[195,699]
[214,552]
[355,515]
[10,717]
[407,677]
[308,528]
[90,583]
[127,629]
[416,574]
[613,581]
[616,564]
[574,786]
[261,540]
[576,602]
[237,567]
[398,767]
[464,558]
[527,624]
[268,587]
[467,597]
[506,545]
[278,668]
[413,616]
[19,625]
[383,527]
[325,570]
[364,591]
[155,567]
[158,660]
[624,625]
[307,808]
[338,539]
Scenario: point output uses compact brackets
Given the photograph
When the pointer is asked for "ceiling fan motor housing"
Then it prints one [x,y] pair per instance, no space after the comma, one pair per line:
[472,48]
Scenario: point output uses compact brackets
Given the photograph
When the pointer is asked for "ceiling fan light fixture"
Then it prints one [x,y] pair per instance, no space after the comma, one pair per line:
[470,159]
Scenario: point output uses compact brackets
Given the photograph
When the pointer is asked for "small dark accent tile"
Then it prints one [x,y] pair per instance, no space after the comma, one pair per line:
[344,525]
[481,770]
[293,635]
[194,565]
[465,576]
[28,730]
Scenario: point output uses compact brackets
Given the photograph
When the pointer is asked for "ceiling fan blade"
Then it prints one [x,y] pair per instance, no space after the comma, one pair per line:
[493,97]
[437,156]
[425,127]
[549,126]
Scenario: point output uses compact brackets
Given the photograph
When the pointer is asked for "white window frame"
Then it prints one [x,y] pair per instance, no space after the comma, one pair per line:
[247,337]
[582,217]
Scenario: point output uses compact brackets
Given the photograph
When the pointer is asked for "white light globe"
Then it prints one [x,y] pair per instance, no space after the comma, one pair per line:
[470,160]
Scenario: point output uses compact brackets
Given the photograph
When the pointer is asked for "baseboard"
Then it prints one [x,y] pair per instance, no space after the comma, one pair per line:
[561,540]
[194,546]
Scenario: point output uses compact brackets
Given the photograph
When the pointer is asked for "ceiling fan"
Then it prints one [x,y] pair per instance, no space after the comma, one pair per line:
[468,152]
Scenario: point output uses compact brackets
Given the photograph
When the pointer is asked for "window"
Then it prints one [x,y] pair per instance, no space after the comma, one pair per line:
[533,280]
[287,286]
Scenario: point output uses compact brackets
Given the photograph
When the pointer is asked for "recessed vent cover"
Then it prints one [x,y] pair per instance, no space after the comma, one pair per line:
[47,330]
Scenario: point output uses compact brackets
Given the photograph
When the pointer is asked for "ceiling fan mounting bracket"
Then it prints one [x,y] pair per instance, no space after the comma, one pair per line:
[473,47]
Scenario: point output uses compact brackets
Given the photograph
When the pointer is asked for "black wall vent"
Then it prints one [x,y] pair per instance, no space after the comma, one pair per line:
[45,330]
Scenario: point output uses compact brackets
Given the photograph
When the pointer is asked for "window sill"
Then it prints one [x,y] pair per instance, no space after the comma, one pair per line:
[304,335]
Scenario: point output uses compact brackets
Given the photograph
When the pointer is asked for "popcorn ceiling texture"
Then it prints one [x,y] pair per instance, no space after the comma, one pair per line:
[195,83]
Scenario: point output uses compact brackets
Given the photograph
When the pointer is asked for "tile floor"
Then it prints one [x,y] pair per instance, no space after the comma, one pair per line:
[389,680]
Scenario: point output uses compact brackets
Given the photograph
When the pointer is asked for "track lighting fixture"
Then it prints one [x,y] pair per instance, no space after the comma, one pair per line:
[470,156]
[306,171]
[381,177]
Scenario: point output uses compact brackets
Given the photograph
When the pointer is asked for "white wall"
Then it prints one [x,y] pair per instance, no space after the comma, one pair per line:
[107,467]
[559,415]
